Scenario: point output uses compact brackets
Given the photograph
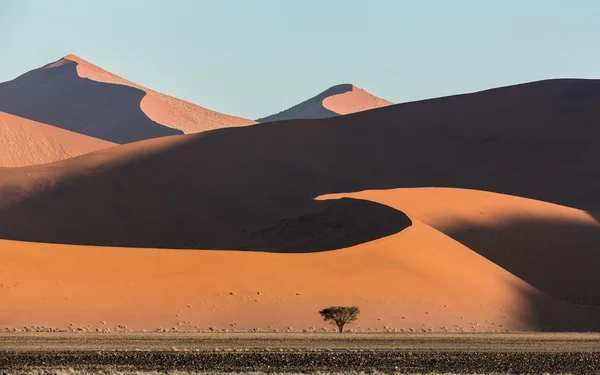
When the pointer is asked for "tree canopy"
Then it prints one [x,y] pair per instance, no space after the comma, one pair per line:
[340,315]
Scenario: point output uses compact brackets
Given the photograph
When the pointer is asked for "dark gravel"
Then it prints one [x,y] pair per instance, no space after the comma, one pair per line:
[310,361]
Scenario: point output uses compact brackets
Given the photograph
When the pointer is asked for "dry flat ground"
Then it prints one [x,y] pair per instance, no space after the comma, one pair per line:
[118,372]
[174,341]
[302,353]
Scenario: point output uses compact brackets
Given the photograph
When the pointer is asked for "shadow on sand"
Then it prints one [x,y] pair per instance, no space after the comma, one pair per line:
[310,109]
[59,97]
[224,189]
[560,258]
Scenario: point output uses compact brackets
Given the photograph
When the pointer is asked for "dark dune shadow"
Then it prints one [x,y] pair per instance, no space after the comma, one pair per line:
[184,220]
[188,206]
[310,109]
[326,225]
[546,314]
[59,97]
[227,189]
[560,258]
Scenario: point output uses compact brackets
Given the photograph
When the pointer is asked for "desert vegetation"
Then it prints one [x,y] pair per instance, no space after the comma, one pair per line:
[340,315]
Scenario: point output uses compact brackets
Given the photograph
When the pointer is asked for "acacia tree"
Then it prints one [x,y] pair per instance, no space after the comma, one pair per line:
[340,315]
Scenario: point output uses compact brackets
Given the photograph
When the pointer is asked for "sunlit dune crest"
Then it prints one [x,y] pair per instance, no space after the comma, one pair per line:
[337,100]
[164,109]
[75,95]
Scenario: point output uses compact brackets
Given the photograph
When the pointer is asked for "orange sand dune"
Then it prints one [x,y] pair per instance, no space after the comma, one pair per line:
[76,95]
[552,247]
[164,109]
[25,142]
[337,100]
[356,100]
[536,140]
[417,279]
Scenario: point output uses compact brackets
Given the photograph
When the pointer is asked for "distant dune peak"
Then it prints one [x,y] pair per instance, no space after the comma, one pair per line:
[353,100]
[72,57]
[338,89]
[76,95]
[161,108]
[69,59]
[337,100]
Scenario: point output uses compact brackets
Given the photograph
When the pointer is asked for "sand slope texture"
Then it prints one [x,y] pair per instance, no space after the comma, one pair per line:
[25,142]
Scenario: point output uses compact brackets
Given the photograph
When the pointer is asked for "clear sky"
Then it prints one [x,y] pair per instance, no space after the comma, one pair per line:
[255,57]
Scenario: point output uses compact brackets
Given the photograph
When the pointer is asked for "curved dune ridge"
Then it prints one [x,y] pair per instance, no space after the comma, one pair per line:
[25,142]
[415,280]
[255,196]
[76,95]
[337,100]
[164,109]
[552,247]
[356,100]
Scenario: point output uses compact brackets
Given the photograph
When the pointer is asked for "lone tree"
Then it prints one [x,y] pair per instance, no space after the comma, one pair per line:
[340,315]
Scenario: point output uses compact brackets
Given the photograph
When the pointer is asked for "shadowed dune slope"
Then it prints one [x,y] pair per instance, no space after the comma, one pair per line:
[156,194]
[536,140]
[337,100]
[164,109]
[25,142]
[76,95]
[552,247]
[417,279]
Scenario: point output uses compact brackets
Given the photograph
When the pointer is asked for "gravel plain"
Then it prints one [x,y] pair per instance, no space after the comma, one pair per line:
[301,353]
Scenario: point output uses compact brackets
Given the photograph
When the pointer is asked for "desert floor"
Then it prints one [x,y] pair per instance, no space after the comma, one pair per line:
[50,353]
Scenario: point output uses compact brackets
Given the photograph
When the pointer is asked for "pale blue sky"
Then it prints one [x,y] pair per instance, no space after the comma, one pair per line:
[255,57]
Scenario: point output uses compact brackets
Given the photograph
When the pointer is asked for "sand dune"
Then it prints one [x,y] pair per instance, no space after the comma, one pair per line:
[407,251]
[552,247]
[337,100]
[271,173]
[25,142]
[164,109]
[76,95]
[418,279]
